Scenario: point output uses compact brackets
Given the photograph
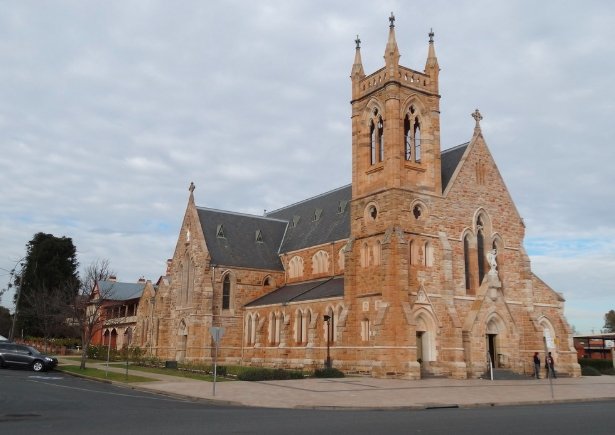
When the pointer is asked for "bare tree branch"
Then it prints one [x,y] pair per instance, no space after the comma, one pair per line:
[88,304]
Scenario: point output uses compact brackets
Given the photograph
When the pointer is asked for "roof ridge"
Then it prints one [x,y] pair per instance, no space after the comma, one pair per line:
[241,214]
[309,199]
[455,147]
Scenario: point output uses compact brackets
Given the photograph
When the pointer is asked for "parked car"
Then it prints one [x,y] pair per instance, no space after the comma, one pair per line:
[20,355]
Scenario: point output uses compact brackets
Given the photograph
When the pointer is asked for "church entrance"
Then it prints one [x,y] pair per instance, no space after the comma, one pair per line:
[491,349]
[182,341]
[419,347]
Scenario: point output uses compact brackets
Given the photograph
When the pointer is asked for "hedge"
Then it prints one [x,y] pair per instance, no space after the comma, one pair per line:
[602,365]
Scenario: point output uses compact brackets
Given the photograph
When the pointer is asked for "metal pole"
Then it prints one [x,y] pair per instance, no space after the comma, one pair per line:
[544,340]
[216,339]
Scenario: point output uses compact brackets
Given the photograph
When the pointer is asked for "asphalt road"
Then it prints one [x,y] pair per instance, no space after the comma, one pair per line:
[55,403]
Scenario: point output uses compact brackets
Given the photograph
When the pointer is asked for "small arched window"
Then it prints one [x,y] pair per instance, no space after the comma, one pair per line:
[372,146]
[365,330]
[295,266]
[299,327]
[428,254]
[466,262]
[417,140]
[480,249]
[226,292]
[380,140]
[341,259]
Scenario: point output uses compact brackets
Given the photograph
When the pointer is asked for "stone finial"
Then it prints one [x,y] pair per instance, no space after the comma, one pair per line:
[357,42]
[431,35]
[392,20]
[192,187]
[477,117]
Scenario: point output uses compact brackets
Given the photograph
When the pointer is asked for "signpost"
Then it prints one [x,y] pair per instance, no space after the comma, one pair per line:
[216,333]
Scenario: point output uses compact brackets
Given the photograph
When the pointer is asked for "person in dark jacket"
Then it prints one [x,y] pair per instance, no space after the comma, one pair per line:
[550,366]
[536,365]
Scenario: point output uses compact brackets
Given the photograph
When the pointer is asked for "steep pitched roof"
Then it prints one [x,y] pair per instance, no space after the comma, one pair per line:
[449,160]
[231,239]
[305,291]
[120,291]
[322,219]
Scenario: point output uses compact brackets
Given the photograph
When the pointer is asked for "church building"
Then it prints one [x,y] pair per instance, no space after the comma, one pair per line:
[417,268]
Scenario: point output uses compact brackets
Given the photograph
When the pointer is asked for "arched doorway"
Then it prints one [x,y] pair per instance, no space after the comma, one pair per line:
[495,342]
[182,341]
[425,339]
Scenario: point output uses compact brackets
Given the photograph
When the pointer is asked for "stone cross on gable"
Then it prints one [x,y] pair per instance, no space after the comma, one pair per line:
[358,42]
[477,117]
[392,20]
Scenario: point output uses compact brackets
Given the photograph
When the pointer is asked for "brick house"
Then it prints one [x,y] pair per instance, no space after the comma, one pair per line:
[117,312]
[417,268]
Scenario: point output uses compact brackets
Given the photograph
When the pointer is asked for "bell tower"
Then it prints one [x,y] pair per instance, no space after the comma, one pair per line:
[395,162]
[395,124]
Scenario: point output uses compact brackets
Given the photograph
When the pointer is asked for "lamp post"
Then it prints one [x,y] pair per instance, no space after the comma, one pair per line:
[327,319]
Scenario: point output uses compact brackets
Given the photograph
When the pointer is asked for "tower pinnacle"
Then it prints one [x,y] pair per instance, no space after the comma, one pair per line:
[391,53]
[357,67]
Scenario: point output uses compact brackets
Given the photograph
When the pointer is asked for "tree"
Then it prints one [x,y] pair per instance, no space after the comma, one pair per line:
[609,321]
[5,321]
[47,284]
[88,303]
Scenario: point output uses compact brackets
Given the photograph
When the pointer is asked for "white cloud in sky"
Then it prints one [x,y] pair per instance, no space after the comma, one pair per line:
[108,110]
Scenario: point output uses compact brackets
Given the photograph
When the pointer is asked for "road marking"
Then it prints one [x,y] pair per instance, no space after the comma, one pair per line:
[114,394]
[50,378]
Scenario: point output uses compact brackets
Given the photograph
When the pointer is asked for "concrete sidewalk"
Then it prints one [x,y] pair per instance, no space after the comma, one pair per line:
[370,393]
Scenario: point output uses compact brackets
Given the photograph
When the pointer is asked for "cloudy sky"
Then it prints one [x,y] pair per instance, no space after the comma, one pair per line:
[108,110]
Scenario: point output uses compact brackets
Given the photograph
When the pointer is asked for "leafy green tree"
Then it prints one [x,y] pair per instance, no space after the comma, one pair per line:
[5,321]
[609,321]
[47,285]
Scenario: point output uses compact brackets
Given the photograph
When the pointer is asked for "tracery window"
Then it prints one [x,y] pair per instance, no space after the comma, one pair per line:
[320,262]
[412,136]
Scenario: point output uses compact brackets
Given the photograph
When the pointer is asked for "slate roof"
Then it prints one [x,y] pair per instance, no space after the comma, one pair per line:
[305,291]
[449,160]
[120,291]
[332,224]
[315,221]
[238,247]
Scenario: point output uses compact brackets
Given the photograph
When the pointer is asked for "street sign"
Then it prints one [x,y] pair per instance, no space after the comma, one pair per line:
[216,332]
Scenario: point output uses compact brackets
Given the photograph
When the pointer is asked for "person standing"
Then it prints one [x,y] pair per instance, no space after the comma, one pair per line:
[550,366]
[536,365]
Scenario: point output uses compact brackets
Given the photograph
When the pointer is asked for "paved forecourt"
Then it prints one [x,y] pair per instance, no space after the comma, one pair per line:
[367,392]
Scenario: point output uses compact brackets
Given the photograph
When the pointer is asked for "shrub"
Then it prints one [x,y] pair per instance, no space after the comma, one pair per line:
[266,374]
[602,365]
[590,371]
[328,373]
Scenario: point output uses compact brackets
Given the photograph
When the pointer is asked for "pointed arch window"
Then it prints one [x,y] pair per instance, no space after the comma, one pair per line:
[226,292]
[380,140]
[412,136]
[372,145]
[299,324]
[466,262]
[417,140]
[480,249]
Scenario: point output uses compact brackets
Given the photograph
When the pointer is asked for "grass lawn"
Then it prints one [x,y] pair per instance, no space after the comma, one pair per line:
[100,374]
[171,372]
